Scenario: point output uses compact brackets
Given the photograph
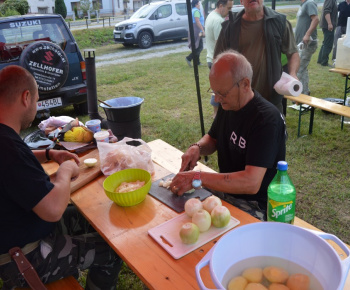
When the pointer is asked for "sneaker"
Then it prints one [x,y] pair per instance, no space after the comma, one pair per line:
[188,62]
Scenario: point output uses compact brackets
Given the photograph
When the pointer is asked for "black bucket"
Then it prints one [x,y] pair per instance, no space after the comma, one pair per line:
[123,117]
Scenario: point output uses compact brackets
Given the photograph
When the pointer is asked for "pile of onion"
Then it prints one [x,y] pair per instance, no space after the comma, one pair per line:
[203,215]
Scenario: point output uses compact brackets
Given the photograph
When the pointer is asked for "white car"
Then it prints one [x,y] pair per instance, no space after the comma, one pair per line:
[156,21]
[237,8]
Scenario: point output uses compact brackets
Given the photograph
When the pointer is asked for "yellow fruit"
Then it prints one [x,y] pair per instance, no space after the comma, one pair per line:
[78,134]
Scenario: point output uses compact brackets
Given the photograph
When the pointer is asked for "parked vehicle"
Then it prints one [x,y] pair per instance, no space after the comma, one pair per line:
[44,45]
[156,21]
[237,8]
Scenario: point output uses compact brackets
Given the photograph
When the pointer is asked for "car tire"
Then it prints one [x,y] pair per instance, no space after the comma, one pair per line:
[48,63]
[81,109]
[145,40]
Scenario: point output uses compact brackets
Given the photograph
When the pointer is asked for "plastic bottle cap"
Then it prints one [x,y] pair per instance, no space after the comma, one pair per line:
[282,165]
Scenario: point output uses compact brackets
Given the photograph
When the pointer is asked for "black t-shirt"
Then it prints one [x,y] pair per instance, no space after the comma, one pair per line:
[344,13]
[254,135]
[23,183]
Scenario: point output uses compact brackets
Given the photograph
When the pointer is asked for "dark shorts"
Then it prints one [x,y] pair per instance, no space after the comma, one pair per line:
[73,247]
[249,206]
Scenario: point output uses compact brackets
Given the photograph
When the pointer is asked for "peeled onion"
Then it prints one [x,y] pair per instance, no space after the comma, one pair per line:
[189,233]
[220,216]
[210,202]
[192,205]
[202,219]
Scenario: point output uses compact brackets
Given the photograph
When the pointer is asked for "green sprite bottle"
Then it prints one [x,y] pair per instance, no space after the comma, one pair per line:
[281,196]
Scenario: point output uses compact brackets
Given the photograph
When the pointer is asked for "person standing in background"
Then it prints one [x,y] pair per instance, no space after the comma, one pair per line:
[212,31]
[328,22]
[306,37]
[199,33]
[344,13]
[261,35]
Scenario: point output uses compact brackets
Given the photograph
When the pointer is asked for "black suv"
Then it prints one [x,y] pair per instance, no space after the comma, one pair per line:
[44,45]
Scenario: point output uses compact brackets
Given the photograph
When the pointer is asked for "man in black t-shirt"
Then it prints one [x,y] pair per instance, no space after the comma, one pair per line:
[248,134]
[34,211]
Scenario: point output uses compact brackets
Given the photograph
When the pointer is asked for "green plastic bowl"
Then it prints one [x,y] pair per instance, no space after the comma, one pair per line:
[127,175]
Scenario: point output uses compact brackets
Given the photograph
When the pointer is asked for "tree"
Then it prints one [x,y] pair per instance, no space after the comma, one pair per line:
[21,6]
[85,6]
[60,8]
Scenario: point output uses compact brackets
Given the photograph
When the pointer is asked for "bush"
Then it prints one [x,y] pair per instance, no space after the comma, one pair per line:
[21,6]
[60,8]
[9,12]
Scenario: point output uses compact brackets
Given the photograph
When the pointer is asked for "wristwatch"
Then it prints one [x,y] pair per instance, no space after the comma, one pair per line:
[196,181]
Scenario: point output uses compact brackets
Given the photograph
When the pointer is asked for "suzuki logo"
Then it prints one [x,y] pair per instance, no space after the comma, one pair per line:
[48,55]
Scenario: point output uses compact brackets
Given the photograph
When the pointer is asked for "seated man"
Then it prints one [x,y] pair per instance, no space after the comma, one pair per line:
[34,214]
[248,134]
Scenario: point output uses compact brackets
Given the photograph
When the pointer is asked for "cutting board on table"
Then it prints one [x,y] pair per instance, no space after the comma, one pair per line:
[86,174]
[173,201]
[167,235]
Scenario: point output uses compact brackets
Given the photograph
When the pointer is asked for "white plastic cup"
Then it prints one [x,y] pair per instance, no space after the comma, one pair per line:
[102,136]
[94,125]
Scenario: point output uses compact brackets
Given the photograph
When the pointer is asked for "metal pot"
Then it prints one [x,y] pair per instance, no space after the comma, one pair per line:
[304,247]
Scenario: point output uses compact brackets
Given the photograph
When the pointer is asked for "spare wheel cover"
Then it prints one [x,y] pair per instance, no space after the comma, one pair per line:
[48,63]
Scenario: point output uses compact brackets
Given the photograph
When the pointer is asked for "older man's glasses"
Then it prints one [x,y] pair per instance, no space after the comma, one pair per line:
[225,94]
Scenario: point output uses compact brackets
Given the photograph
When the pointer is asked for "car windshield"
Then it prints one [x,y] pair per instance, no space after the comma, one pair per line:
[17,35]
[142,12]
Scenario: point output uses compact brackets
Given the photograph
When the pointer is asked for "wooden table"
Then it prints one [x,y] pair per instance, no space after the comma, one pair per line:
[346,73]
[125,228]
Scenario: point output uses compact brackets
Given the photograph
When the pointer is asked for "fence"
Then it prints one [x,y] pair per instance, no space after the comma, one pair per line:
[104,21]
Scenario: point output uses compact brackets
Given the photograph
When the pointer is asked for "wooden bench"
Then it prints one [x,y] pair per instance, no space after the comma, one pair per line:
[68,283]
[313,102]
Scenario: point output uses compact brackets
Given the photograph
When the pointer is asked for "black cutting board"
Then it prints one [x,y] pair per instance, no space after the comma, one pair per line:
[173,201]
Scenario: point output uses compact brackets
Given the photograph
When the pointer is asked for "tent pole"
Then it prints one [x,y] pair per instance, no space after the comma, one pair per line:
[195,67]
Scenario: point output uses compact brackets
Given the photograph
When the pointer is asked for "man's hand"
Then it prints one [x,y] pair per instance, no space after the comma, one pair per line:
[330,26]
[61,156]
[182,182]
[190,158]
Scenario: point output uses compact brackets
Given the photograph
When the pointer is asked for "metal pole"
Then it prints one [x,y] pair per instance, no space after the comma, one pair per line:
[195,67]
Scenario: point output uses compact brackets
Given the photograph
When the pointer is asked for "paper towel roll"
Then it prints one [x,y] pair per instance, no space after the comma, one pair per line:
[288,85]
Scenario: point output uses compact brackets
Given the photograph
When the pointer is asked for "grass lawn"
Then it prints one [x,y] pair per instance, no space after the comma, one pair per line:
[318,163]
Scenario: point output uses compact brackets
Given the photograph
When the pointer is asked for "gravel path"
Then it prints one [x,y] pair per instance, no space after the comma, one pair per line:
[136,54]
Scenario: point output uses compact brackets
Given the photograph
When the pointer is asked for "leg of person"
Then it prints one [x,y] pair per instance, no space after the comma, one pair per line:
[189,59]
[337,35]
[305,57]
[250,207]
[199,50]
[105,267]
[326,48]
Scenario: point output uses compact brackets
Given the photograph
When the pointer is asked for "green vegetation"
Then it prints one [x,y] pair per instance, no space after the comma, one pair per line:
[12,6]
[318,163]
[60,8]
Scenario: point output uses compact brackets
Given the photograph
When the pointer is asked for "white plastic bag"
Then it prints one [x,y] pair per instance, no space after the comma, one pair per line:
[118,156]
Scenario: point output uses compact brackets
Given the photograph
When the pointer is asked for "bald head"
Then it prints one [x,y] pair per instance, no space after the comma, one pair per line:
[233,63]
[14,80]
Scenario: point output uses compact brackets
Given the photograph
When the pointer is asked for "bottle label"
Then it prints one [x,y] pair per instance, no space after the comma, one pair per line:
[283,212]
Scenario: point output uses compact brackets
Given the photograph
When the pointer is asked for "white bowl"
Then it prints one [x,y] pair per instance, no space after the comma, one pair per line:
[305,248]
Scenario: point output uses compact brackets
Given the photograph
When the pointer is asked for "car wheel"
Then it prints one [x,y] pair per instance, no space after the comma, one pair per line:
[48,63]
[81,109]
[145,40]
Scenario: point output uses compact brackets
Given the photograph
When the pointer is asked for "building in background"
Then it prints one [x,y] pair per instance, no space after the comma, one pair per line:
[39,6]
[106,7]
